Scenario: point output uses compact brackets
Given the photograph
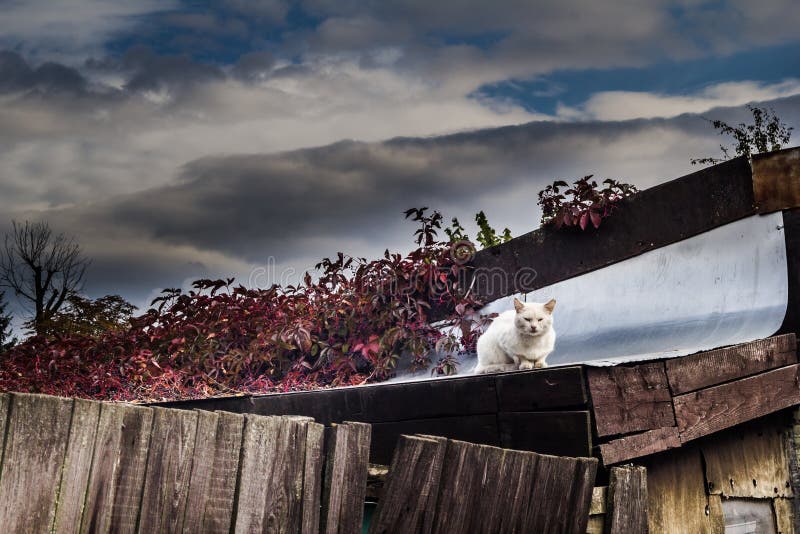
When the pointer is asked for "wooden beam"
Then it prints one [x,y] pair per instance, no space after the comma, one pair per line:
[638,445]
[541,389]
[627,501]
[480,429]
[776,180]
[696,371]
[630,399]
[707,199]
[709,410]
[557,433]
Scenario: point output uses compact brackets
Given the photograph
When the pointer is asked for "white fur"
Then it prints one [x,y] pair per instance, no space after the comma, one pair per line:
[521,338]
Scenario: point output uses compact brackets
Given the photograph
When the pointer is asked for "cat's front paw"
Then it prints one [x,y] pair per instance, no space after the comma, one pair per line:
[540,363]
[526,366]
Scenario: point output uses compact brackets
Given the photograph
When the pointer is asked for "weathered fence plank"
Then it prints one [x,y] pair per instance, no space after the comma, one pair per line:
[561,495]
[169,468]
[114,490]
[312,481]
[346,478]
[710,368]
[627,501]
[219,501]
[77,466]
[710,410]
[5,401]
[272,488]
[202,467]
[258,454]
[460,487]
[410,486]
[35,444]
[630,399]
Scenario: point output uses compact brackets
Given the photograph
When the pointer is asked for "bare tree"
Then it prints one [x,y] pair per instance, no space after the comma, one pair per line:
[42,268]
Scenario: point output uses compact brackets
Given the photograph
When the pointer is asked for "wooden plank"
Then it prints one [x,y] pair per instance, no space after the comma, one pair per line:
[218,516]
[676,499]
[419,400]
[784,515]
[346,479]
[696,371]
[557,433]
[710,410]
[115,483]
[203,459]
[326,407]
[460,487]
[5,401]
[627,501]
[538,389]
[505,497]
[312,481]
[561,495]
[707,198]
[285,498]
[630,399]
[77,466]
[169,469]
[749,461]
[35,444]
[480,429]
[411,487]
[638,445]
[599,497]
[776,180]
[259,446]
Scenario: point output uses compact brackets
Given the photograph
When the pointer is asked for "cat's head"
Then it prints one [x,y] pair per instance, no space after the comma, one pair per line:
[534,318]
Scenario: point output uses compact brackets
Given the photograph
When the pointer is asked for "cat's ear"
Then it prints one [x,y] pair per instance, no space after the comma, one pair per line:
[518,305]
[550,306]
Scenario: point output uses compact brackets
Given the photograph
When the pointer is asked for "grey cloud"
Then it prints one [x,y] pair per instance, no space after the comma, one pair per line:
[246,206]
[17,75]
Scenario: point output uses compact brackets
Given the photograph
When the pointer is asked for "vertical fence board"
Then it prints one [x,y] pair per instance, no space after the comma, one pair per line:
[36,441]
[258,456]
[77,466]
[561,495]
[627,501]
[169,467]
[284,500]
[460,487]
[222,486]
[5,400]
[413,478]
[202,467]
[118,466]
[312,481]
[346,478]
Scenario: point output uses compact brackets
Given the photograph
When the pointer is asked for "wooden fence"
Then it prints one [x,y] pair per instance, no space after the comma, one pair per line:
[77,466]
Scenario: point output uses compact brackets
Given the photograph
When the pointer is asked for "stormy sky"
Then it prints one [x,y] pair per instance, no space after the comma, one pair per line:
[179,140]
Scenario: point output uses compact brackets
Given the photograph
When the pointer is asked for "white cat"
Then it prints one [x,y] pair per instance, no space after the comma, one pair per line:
[518,339]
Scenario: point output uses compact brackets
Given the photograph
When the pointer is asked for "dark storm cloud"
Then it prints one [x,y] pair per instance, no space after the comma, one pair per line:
[246,206]
[17,75]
